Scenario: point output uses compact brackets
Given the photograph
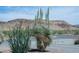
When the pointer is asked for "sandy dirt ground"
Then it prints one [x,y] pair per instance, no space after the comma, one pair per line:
[5,48]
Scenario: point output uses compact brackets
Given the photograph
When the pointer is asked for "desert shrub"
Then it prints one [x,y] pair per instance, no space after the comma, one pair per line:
[19,40]
[76,32]
[76,42]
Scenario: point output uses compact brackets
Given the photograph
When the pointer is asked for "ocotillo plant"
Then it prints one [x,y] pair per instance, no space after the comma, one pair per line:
[19,40]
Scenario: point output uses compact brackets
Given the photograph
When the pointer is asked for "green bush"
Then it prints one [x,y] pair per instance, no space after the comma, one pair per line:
[19,40]
[76,32]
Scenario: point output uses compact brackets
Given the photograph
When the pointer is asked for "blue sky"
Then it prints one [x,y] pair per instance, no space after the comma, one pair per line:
[67,13]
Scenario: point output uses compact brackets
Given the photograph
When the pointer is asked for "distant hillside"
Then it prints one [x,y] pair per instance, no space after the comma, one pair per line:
[61,25]
[55,24]
[76,26]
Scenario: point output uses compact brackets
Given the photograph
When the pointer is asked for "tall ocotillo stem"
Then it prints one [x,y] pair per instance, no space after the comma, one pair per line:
[35,22]
[47,17]
[41,16]
[37,16]
[36,19]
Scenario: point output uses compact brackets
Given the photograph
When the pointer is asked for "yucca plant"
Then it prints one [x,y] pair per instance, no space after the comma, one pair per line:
[42,36]
[19,40]
[40,32]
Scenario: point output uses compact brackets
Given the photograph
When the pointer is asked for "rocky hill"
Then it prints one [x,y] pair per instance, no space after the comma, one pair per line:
[76,25]
[61,25]
[54,24]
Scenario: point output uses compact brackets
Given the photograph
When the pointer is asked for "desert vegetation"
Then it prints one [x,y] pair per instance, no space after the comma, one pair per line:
[73,32]
[40,32]
[19,38]
[1,38]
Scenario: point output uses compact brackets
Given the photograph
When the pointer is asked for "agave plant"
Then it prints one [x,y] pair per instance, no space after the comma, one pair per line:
[19,40]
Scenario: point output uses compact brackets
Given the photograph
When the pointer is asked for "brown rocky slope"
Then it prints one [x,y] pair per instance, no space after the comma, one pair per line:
[54,24]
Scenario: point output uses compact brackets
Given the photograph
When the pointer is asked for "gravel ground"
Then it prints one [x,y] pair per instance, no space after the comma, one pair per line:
[5,48]
[63,49]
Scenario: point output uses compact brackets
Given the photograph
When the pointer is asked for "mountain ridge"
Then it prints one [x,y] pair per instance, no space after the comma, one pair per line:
[54,24]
